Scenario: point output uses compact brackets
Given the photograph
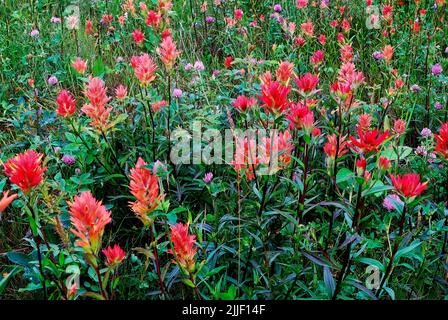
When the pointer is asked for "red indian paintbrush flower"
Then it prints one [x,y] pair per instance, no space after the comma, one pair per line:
[331,146]
[274,97]
[242,103]
[408,185]
[228,62]
[442,141]
[296,114]
[153,19]
[6,200]
[114,255]
[144,69]
[144,187]
[307,83]
[89,218]
[168,52]
[66,104]
[183,243]
[369,141]
[138,36]
[25,170]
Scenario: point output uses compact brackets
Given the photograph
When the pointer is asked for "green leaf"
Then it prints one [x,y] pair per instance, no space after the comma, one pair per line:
[377,189]
[172,217]
[230,294]
[98,68]
[93,295]
[6,279]
[402,252]
[329,281]
[215,271]
[18,258]
[315,259]
[188,282]
[391,154]
[372,262]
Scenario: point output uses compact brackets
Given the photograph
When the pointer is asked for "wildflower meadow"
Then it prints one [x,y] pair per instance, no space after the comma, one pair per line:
[223,150]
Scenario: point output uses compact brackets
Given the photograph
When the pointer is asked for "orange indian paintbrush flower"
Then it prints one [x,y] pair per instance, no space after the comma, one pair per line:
[144,187]
[184,249]
[6,200]
[408,185]
[89,218]
[25,170]
[97,109]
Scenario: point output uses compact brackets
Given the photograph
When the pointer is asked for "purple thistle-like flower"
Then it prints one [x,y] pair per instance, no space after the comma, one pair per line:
[421,151]
[199,66]
[208,177]
[34,33]
[52,80]
[177,93]
[277,8]
[426,132]
[68,160]
[436,69]
[378,55]
[415,88]
[438,105]
[55,20]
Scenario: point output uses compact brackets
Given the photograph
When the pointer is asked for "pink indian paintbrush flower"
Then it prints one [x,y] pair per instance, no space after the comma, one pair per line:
[284,71]
[168,52]
[138,36]
[144,69]
[243,103]
[121,92]
[331,146]
[307,83]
